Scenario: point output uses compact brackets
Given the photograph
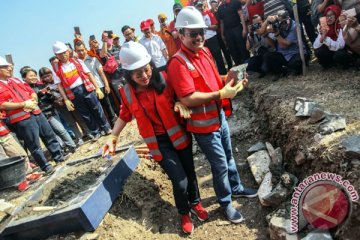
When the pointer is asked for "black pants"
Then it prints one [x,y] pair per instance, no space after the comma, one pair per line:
[257,63]
[213,45]
[236,44]
[109,108]
[179,166]
[115,85]
[276,63]
[225,51]
[34,128]
[327,58]
[305,19]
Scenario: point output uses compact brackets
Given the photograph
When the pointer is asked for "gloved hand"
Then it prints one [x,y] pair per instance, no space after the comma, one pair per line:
[184,111]
[30,105]
[228,91]
[69,105]
[99,93]
[110,146]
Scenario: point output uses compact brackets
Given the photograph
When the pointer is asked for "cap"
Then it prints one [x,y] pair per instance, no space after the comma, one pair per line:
[177,6]
[114,36]
[59,47]
[144,25]
[3,62]
[162,15]
[150,21]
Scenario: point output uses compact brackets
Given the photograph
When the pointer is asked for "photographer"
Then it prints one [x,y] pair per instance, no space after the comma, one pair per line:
[258,44]
[330,45]
[46,99]
[287,57]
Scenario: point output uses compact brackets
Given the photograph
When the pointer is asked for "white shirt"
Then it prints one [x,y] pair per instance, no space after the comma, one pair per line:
[154,46]
[70,69]
[331,44]
[208,33]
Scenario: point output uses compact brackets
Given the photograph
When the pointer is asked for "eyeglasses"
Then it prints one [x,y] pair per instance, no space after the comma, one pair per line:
[194,34]
[331,16]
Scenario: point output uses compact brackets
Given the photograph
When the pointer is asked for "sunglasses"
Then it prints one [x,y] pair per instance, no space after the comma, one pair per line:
[194,34]
[4,67]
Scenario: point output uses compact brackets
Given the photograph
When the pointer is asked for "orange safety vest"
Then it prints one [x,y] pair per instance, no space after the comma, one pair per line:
[66,82]
[18,95]
[163,103]
[205,117]
[3,128]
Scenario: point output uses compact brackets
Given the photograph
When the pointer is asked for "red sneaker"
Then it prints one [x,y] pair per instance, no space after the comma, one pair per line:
[200,212]
[186,223]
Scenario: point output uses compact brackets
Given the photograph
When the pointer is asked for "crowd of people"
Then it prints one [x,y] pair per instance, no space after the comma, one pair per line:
[93,91]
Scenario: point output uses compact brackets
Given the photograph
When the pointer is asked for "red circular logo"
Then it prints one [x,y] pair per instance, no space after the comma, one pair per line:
[325,206]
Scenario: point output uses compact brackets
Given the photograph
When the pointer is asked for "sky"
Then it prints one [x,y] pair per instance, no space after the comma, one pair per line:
[30,27]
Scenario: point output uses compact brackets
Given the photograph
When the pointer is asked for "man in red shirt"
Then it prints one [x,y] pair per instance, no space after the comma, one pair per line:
[176,9]
[19,102]
[194,77]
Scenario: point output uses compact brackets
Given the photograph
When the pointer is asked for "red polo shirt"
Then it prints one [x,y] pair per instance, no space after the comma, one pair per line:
[179,76]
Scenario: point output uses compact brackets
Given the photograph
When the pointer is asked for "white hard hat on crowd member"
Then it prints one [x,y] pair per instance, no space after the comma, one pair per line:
[133,55]
[59,47]
[189,17]
[3,62]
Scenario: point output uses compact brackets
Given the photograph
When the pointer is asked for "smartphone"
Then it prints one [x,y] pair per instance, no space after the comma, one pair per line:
[110,33]
[92,37]
[323,23]
[77,30]
[9,59]
[350,12]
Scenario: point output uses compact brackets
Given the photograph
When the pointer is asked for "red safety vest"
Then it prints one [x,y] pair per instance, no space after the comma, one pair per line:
[18,94]
[205,117]
[68,81]
[3,128]
[164,105]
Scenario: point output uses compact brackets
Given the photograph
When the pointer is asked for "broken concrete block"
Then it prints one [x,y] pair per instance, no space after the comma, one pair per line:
[318,235]
[281,191]
[332,123]
[355,163]
[352,146]
[317,115]
[306,108]
[300,158]
[276,157]
[299,101]
[259,164]
[279,227]
[256,147]
[240,71]
[265,188]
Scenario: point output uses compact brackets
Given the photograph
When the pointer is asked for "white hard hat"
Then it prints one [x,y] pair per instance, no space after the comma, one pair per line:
[3,62]
[189,17]
[59,47]
[133,55]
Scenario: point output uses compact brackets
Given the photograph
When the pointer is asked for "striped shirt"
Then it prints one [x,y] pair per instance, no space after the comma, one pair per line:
[271,7]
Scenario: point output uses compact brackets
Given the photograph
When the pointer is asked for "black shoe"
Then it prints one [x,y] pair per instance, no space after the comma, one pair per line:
[247,192]
[49,169]
[261,75]
[95,137]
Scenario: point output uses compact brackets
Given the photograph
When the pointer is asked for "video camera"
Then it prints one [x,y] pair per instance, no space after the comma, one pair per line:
[276,24]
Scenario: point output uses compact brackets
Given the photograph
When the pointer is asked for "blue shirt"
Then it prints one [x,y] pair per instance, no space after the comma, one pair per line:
[293,49]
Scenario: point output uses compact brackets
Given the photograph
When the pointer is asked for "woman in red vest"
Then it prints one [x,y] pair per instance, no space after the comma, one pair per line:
[148,99]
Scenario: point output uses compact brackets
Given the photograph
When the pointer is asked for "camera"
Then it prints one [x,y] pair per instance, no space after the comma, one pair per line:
[276,24]
[255,26]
